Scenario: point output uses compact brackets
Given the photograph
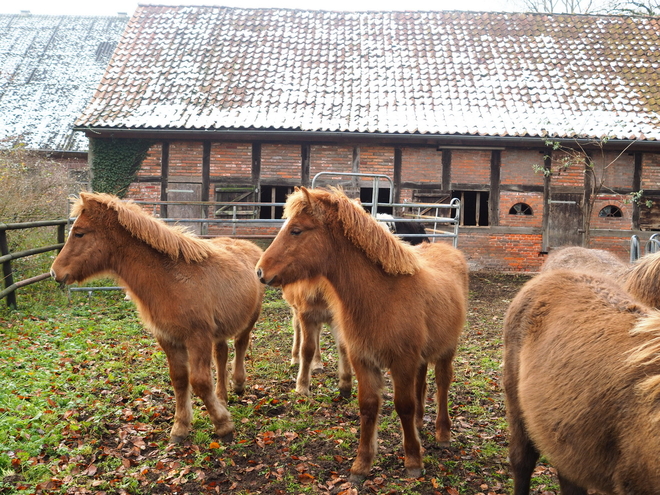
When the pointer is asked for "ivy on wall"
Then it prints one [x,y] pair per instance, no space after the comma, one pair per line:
[115,163]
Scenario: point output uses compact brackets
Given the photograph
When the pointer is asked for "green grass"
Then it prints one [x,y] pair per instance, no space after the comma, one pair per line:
[86,404]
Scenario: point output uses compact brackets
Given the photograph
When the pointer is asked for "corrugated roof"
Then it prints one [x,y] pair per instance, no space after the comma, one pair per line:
[446,73]
[49,69]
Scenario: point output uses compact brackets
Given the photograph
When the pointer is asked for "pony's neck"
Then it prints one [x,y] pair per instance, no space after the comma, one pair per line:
[353,275]
[138,265]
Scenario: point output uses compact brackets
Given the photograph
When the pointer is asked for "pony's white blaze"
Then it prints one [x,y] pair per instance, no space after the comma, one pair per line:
[286,222]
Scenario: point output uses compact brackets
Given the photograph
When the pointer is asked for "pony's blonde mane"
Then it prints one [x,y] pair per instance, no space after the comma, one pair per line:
[642,280]
[361,229]
[647,354]
[172,241]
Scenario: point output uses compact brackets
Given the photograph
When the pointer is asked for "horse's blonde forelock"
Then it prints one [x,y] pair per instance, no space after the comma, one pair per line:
[173,241]
[359,227]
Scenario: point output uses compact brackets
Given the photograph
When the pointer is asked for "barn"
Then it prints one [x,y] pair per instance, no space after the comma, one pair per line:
[545,126]
[51,66]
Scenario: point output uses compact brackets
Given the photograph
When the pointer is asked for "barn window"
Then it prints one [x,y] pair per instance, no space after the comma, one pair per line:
[474,207]
[521,209]
[610,211]
[276,195]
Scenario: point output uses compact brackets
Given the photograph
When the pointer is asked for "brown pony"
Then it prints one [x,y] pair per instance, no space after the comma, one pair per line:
[582,383]
[310,312]
[640,279]
[398,307]
[192,294]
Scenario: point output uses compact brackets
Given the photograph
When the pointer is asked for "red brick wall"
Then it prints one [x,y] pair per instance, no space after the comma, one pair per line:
[421,165]
[651,172]
[502,252]
[614,169]
[624,222]
[330,159]
[281,161]
[534,200]
[152,164]
[230,159]
[377,160]
[471,167]
[144,191]
[573,175]
[186,159]
[517,167]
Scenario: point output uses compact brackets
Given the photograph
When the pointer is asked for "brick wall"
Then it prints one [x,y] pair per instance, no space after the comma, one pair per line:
[280,161]
[505,251]
[517,167]
[186,159]
[501,252]
[152,164]
[330,159]
[614,169]
[573,175]
[230,159]
[377,160]
[421,165]
[533,200]
[470,167]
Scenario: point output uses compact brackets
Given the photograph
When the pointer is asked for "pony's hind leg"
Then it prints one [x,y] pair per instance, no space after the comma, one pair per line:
[420,386]
[241,344]
[522,453]
[201,380]
[344,370]
[177,359]
[220,355]
[406,405]
[444,372]
[370,385]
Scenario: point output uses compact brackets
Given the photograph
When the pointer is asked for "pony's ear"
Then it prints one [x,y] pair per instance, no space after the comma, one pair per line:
[307,194]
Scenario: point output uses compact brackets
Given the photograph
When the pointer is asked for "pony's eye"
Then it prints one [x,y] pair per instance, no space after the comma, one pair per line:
[296,231]
[78,234]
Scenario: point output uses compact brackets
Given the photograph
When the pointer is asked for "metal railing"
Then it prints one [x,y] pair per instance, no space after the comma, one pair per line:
[6,257]
[651,246]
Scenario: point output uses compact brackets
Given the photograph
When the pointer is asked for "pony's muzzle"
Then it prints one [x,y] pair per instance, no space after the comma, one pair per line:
[62,283]
[260,275]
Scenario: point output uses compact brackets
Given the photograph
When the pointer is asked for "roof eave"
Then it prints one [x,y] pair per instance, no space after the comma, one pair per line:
[437,140]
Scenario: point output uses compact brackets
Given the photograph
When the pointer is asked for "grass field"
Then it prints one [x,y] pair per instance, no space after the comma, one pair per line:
[86,407]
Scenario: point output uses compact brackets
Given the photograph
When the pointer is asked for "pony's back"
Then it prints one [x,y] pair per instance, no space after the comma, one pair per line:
[584,259]
[572,392]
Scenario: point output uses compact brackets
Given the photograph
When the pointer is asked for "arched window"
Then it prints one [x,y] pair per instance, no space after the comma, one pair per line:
[521,209]
[610,211]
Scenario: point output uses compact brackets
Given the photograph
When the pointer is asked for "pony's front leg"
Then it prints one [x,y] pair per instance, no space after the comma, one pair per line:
[201,380]
[309,351]
[404,380]
[370,385]
[177,359]
[444,372]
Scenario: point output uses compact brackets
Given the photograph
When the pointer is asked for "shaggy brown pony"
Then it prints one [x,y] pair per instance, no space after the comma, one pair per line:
[641,279]
[310,312]
[399,307]
[192,294]
[582,383]
[589,260]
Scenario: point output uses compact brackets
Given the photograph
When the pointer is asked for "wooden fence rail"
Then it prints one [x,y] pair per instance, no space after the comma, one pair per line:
[6,257]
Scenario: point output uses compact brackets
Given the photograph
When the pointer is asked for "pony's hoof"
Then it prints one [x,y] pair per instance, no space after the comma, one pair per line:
[239,389]
[413,472]
[357,479]
[228,438]
[345,393]
[177,439]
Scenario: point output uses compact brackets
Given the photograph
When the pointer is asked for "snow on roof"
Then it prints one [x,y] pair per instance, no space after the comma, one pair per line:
[431,73]
[49,69]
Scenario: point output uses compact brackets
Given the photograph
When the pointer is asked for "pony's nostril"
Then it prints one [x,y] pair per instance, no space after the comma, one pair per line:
[260,274]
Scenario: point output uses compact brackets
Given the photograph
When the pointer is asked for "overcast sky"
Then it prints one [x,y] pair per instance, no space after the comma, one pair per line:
[109,8]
